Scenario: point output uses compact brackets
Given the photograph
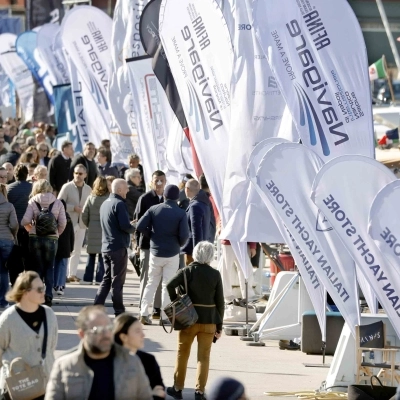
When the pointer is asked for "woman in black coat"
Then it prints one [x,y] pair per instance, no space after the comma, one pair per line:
[128,332]
[64,250]
[204,287]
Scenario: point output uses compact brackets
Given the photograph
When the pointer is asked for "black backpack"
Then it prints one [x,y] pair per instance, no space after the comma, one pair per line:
[45,223]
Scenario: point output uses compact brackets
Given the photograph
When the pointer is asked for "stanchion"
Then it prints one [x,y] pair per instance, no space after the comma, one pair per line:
[248,337]
[323,365]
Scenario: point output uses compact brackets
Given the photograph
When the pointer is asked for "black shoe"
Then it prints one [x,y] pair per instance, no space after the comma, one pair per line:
[288,345]
[48,301]
[199,396]
[156,313]
[176,394]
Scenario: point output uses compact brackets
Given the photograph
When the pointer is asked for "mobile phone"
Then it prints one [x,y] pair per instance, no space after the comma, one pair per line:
[215,339]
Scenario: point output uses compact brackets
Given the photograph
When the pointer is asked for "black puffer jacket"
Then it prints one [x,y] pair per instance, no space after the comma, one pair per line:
[18,195]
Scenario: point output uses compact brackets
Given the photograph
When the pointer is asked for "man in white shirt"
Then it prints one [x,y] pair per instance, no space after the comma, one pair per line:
[74,194]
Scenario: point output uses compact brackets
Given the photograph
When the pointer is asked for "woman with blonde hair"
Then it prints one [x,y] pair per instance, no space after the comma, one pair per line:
[23,325]
[91,218]
[43,242]
[8,232]
[32,149]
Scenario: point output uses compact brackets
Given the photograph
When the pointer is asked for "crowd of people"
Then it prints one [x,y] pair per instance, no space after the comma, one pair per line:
[53,204]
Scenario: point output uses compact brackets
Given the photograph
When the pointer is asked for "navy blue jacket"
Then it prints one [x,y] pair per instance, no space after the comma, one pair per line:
[198,215]
[18,195]
[108,170]
[166,225]
[144,203]
[115,224]
[11,157]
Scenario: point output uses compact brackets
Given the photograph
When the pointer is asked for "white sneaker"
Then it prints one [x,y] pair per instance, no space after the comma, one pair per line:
[60,292]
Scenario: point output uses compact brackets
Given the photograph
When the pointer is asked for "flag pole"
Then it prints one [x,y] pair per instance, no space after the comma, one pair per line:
[392,43]
[388,78]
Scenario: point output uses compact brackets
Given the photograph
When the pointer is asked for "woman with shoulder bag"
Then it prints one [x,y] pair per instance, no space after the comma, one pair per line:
[8,231]
[23,328]
[204,288]
[91,218]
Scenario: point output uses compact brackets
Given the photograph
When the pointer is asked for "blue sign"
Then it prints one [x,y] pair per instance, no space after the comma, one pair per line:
[27,50]
[65,116]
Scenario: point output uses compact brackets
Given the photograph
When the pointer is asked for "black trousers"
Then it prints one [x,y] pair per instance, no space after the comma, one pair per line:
[115,265]
[16,269]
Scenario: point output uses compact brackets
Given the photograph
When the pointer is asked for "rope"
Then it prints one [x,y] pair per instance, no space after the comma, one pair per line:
[312,395]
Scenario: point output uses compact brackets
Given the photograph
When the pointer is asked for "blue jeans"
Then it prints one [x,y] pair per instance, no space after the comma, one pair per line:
[6,246]
[60,271]
[42,252]
[89,270]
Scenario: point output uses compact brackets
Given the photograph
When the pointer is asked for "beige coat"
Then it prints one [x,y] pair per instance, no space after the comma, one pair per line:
[71,378]
[69,193]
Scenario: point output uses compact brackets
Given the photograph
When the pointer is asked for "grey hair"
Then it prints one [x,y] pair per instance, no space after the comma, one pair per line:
[134,157]
[131,172]
[203,252]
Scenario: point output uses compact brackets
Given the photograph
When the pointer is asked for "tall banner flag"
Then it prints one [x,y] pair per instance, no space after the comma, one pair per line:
[39,12]
[18,73]
[286,175]
[60,58]
[150,37]
[65,115]
[153,116]
[5,89]
[27,50]
[45,46]
[256,114]
[86,36]
[322,72]
[89,122]
[344,190]
[125,43]
[383,223]
[193,32]
[314,287]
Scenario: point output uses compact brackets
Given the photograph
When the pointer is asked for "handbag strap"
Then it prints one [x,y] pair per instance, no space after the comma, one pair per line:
[44,345]
[172,323]
[372,378]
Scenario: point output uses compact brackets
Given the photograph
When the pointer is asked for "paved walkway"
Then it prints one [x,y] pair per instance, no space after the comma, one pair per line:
[259,368]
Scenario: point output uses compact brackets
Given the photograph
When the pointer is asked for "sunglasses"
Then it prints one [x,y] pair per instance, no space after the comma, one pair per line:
[101,330]
[78,173]
[39,289]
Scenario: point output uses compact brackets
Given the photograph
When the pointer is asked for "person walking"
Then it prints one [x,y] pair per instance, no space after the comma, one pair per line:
[116,229]
[98,368]
[59,166]
[147,200]
[132,176]
[43,246]
[198,214]
[18,195]
[22,327]
[166,225]
[75,194]
[128,332]
[204,288]
[64,250]
[87,160]
[91,218]
[8,233]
